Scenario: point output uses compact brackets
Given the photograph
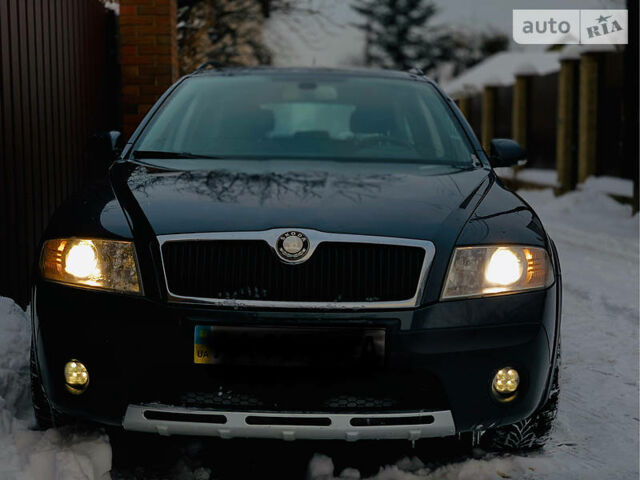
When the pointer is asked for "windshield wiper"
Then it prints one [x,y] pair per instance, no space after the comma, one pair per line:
[175,155]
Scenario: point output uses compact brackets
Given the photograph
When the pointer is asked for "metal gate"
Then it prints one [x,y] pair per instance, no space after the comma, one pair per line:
[58,85]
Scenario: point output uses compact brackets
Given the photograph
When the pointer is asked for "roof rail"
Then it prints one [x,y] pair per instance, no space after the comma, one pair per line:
[416,71]
[213,64]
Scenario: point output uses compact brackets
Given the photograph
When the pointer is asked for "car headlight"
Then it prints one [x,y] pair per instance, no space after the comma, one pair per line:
[90,263]
[481,271]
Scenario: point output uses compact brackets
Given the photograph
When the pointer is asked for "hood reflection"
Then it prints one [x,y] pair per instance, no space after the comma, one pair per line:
[226,186]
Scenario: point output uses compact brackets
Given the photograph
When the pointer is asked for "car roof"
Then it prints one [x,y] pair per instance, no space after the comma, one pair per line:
[346,72]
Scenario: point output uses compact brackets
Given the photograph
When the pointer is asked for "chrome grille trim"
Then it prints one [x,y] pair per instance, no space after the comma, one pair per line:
[315,238]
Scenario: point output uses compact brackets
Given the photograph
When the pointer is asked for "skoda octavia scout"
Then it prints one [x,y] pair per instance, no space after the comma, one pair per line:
[300,254]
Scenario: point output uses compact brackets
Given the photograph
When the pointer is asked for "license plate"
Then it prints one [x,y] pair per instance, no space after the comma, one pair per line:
[288,346]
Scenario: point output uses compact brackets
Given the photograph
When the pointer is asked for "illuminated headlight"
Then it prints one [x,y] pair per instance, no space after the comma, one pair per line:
[481,271]
[90,263]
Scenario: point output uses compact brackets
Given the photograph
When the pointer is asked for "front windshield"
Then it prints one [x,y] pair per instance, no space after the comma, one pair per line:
[307,117]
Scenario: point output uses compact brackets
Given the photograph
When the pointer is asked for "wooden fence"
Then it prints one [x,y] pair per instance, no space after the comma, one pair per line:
[609,138]
[58,86]
[612,105]
[542,104]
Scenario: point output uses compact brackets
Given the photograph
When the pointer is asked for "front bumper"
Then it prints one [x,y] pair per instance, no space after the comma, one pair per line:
[439,361]
[166,420]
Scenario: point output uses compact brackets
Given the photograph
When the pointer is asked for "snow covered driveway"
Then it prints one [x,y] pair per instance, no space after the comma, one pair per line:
[596,438]
[597,435]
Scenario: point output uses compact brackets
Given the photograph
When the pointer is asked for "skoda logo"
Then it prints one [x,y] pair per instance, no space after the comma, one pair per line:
[292,246]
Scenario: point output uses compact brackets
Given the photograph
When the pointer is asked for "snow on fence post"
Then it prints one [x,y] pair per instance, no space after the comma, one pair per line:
[566,160]
[149,55]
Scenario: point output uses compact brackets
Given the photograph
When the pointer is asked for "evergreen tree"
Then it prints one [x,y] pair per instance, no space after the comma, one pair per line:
[398,35]
[394,31]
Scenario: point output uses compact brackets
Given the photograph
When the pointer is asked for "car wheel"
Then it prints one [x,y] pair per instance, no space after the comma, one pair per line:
[531,433]
[46,416]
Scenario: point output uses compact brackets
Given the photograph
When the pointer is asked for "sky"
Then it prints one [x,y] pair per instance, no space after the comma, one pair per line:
[331,40]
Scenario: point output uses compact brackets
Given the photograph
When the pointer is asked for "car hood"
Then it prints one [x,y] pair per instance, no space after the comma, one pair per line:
[400,200]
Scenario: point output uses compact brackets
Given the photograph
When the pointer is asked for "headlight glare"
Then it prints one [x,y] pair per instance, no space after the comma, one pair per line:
[91,263]
[82,260]
[482,271]
[504,267]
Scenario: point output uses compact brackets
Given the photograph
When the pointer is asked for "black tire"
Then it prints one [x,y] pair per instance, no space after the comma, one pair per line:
[46,416]
[533,432]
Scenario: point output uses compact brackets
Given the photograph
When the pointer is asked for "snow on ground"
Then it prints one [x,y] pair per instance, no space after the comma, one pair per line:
[549,178]
[597,240]
[412,468]
[611,185]
[597,428]
[25,453]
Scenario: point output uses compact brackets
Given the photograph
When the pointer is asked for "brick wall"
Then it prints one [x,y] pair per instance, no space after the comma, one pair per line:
[148,54]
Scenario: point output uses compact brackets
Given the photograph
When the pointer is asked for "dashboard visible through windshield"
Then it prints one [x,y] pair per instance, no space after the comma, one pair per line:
[306,117]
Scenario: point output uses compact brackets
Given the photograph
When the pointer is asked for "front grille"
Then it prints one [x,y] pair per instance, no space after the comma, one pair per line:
[250,270]
[231,399]
[293,389]
[220,399]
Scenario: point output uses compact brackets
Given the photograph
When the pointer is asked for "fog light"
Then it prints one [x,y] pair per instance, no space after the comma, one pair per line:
[76,377]
[505,383]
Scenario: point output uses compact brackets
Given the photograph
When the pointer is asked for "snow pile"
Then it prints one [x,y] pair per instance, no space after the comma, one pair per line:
[589,216]
[14,365]
[60,454]
[622,187]
[321,468]
[611,185]
[500,70]
[35,455]
[115,6]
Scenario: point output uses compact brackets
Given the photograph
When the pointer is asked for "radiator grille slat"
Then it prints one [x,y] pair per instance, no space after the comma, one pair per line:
[250,270]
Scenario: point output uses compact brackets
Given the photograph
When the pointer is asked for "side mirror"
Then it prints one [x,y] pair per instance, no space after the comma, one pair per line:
[104,147]
[505,152]
[117,142]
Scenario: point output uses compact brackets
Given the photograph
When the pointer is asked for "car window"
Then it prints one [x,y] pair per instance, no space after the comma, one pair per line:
[306,117]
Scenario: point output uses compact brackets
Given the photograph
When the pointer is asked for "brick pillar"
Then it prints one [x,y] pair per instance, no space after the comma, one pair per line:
[565,141]
[488,115]
[148,54]
[588,122]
